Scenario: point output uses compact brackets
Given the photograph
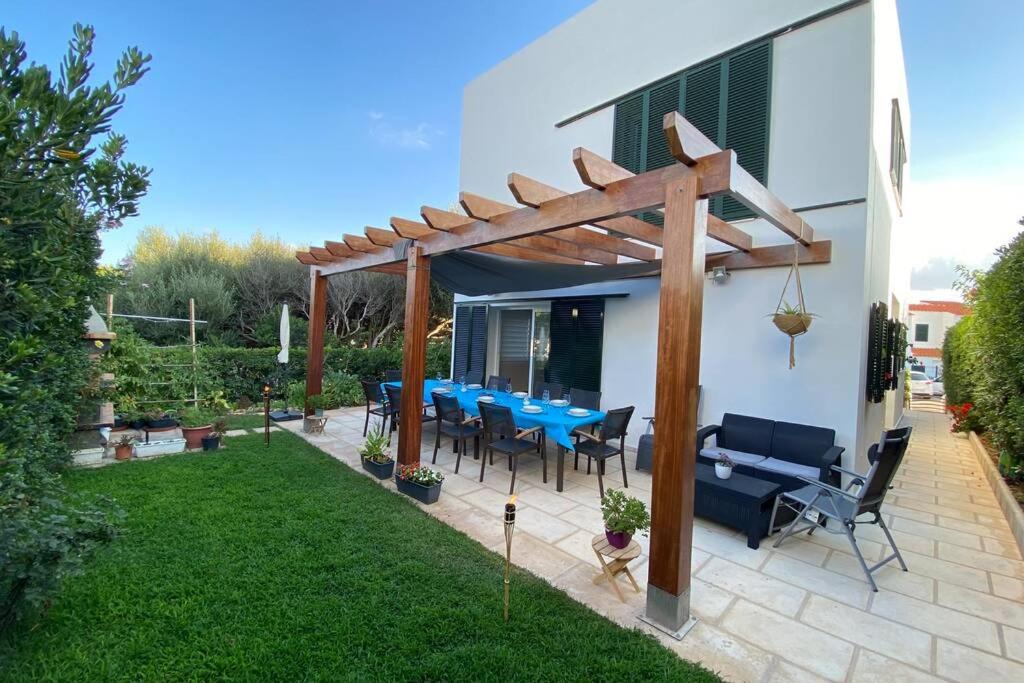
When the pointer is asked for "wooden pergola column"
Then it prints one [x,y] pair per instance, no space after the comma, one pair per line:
[675,406]
[414,353]
[317,323]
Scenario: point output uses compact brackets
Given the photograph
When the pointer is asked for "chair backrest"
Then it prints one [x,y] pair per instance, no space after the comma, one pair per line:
[394,397]
[746,434]
[371,390]
[801,444]
[554,389]
[496,383]
[615,423]
[447,409]
[581,398]
[393,375]
[497,419]
[474,378]
[885,461]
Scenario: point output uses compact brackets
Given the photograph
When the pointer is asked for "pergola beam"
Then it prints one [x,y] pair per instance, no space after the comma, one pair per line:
[359,243]
[322,254]
[381,237]
[598,172]
[340,249]
[306,258]
[688,144]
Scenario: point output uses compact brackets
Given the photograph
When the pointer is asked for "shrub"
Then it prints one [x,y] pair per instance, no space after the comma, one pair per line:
[959,362]
[57,191]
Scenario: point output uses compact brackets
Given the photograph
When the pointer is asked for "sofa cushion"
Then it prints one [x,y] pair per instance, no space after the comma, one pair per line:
[789,469]
[801,444]
[746,434]
[738,457]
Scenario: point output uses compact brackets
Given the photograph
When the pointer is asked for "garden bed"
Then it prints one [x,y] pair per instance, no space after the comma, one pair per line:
[280,563]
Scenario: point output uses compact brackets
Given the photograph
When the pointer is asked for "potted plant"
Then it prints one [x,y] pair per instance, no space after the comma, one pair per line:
[723,466]
[421,483]
[158,419]
[123,447]
[375,454]
[196,423]
[211,441]
[134,418]
[623,517]
[316,404]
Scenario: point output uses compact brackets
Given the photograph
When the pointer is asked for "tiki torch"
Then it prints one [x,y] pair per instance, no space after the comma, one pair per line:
[510,523]
[266,414]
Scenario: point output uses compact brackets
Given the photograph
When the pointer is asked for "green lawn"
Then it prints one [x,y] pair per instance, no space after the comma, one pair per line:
[282,564]
[253,421]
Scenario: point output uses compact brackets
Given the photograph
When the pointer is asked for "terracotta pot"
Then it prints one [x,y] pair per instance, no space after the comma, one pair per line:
[123,452]
[618,539]
[194,436]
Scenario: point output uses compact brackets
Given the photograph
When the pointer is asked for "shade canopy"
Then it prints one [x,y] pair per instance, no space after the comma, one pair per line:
[476,274]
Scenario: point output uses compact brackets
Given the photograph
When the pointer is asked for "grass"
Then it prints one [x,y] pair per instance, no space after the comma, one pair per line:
[252,421]
[280,563]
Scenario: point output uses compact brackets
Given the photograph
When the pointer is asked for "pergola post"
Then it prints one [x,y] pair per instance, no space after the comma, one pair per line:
[675,407]
[414,353]
[317,323]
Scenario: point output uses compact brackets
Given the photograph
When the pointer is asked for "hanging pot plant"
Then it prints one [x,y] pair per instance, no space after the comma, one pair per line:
[793,321]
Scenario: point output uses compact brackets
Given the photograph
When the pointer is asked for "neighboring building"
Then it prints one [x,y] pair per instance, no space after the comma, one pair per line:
[928,323]
[812,96]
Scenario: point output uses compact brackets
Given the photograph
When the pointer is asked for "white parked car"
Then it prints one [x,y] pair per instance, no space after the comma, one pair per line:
[938,387]
[920,385]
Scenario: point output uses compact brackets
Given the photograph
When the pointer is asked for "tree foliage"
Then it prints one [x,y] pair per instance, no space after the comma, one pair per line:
[59,186]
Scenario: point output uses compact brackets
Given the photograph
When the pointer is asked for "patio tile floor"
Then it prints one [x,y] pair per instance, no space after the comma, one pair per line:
[802,612]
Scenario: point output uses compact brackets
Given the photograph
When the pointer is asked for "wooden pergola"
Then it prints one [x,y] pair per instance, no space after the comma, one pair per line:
[594,226]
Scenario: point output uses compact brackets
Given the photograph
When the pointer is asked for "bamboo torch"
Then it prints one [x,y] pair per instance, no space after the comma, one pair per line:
[266,414]
[510,523]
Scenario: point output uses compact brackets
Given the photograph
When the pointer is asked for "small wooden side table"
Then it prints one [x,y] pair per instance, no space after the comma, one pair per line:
[315,424]
[614,561]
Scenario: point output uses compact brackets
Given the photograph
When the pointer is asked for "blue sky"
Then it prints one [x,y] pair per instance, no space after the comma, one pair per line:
[308,119]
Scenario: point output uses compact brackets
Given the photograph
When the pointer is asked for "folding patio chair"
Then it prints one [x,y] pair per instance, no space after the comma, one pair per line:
[844,506]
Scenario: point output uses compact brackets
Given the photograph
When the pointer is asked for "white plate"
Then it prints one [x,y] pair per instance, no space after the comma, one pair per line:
[532,409]
[519,394]
[441,390]
[559,403]
[485,399]
[579,412]
[474,386]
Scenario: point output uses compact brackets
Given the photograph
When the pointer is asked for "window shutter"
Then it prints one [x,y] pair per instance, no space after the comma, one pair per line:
[470,353]
[576,343]
[746,118]
[663,99]
[702,106]
[628,133]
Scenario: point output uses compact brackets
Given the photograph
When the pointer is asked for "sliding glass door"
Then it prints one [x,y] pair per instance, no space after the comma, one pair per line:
[515,345]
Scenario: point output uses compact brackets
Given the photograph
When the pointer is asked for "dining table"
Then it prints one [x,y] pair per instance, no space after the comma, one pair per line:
[556,421]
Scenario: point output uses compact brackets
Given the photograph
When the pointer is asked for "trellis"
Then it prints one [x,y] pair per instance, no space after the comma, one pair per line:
[593,226]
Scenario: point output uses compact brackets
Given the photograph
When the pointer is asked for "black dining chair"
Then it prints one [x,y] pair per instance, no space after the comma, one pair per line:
[452,422]
[590,400]
[394,408]
[502,435]
[554,389]
[474,378]
[393,375]
[603,445]
[496,383]
[376,402]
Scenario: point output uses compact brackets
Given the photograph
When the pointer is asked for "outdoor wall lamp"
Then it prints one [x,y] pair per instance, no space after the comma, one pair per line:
[575,312]
[719,275]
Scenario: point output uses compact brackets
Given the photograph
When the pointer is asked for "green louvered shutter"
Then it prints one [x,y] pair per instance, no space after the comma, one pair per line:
[627,140]
[746,118]
[661,99]
[702,106]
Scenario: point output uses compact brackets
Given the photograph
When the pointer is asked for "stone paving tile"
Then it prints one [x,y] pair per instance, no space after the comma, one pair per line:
[991,563]
[940,621]
[982,605]
[872,667]
[732,658]
[754,586]
[785,672]
[967,665]
[1006,587]
[890,577]
[806,646]
[1014,640]
[818,580]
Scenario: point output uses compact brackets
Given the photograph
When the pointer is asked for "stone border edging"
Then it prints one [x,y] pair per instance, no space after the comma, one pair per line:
[1011,509]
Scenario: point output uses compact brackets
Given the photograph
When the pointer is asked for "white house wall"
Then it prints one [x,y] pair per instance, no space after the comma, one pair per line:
[818,154]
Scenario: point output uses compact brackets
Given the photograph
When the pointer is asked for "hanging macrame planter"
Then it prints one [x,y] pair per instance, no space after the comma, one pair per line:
[791,321]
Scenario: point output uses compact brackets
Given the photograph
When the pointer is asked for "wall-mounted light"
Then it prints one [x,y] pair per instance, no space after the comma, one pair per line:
[719,275]
[575,312]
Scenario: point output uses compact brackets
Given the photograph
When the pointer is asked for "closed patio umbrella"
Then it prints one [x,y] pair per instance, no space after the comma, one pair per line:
[282,358]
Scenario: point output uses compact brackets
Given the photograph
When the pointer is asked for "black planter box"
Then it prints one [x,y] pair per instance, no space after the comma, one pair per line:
[424,494]
[162,423]
[378,470]
[211,443]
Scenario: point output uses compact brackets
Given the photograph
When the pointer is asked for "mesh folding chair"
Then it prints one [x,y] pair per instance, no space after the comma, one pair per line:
[502,435]
[846,505]
[376,402]
[613,430]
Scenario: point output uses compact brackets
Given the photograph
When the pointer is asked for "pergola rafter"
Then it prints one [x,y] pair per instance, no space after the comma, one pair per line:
[551,227]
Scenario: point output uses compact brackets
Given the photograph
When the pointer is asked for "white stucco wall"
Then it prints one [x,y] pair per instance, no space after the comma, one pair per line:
[820,152]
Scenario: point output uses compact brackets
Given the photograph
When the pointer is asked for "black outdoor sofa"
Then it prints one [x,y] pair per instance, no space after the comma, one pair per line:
[779,452]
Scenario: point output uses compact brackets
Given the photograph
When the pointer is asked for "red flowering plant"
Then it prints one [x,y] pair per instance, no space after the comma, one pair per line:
[424,476]
[961,416]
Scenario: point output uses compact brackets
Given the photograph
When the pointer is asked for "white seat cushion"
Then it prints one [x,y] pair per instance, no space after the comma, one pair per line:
[790,469]
[737,457]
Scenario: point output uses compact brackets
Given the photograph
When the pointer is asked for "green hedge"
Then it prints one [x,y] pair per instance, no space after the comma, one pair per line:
[959,371]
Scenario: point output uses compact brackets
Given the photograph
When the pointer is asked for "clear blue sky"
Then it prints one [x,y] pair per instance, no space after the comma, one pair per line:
[308,119]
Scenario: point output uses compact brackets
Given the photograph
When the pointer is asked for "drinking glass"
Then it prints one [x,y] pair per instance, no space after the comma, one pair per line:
[508,388]
[565,397]
[546,396]
[439,377]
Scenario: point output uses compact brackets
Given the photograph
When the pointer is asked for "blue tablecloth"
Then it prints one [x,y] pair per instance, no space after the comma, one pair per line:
[557,424]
